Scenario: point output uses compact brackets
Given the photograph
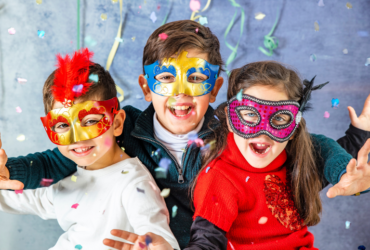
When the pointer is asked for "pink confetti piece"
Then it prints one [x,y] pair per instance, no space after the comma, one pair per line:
[158,7]
[75,206]
[46,182]
[163,36]
[194,5]
[196,30]
[139,6]
[326,114]
[262,220]
[21,80]
[153,186]
[18,109]
[19,191]
[11,31]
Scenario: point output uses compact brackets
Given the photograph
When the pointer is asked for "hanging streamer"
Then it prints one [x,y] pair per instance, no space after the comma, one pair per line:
[168,12]
[78,24]
[113,51]
[269,41]
[193,17]
[231,24]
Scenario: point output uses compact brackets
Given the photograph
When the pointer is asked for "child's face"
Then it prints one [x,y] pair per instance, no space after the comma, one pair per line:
[94,153]
[182,113]
[262,150]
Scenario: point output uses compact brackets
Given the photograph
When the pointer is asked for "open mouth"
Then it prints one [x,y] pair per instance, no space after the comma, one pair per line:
[180,111]
[82,151]
[260,149]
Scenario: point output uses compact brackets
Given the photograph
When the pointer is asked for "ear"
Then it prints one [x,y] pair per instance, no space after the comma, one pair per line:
[216,88]
[119,120]
[227,120]
[145,88]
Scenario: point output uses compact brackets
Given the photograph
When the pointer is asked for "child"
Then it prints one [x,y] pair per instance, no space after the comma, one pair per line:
[163,129]
[109,189]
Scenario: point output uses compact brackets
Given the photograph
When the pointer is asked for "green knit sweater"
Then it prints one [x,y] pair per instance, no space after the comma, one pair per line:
[138,140]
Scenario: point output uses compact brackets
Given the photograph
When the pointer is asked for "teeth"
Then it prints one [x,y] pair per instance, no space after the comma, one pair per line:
[260,145]
[180,107]
[80,150]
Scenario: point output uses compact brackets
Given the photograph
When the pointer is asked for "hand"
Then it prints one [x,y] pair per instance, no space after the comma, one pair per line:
[158,242]
[357,178]
[363,121]
[5,183]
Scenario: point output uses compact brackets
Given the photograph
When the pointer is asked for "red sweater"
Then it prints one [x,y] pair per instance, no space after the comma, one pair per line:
[254,206]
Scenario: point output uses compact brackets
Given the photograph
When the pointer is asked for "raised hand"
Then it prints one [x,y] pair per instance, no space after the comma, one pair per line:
[5,182]
[363,121]
[357,178]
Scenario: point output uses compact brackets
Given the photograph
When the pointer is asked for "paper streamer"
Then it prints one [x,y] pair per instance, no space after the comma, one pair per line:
[113,51]
[168,12]
[231,24]
[78,24]
[269,41]
[193,17]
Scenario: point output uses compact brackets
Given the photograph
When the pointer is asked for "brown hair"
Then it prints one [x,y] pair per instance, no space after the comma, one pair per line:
[301,167]
[182,35]
[104,89]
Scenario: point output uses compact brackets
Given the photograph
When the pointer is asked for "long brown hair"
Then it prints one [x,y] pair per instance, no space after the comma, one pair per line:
[301,166]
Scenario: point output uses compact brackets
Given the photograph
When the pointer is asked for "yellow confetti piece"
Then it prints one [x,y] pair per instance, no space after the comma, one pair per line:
[171,101]
[21,137]
[124,172]
[165,192]
[114,1]
[73,178]
[317,27]
[123,149]
[103,17]
[133,38]
[39,1]
[357,194]
[259,16]
[94,155]
[349,5]
[120,91]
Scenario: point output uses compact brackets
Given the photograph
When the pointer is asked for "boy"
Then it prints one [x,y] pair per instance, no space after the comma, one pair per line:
[109,189]
[162,130]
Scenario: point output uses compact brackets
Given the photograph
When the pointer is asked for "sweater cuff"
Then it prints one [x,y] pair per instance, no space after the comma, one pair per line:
[16,171]
[342,173]
[333,174]
[356,131]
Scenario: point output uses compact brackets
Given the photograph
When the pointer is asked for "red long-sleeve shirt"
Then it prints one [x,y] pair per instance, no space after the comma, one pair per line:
[254,206]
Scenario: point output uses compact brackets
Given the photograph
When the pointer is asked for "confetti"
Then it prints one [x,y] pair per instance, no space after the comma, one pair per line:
[90,42]
[165,192]
[75,206]
[39,1]
[153,186]
[203,20]
[367,63]
[124,172]
[41,33]
[160,173]
[73,178]
[207,169]
[194,5]
[246,180]
[138,96]
[18,191]
[153,17]
[231,245]
[94,77]
[259,16]
[31,163]
[262,220]
[94,154]
[11,31]
[192,136]
[362,33]
[362,247]
[156,153]
[18,109]
[140,190]
[77,88]
[209,146]
[334,103]
[174,211]
[163,36]
[133,38]
[21,80]
[216,117]
[118,39]
[239,96]
[345,51]
[78,247]
[148,240]
[21,137]
[312,57]
[196,30]
[46,182]
[326,114]
[349,5]
[321,3]
[348,224]
[114,1]
[171,101]
[142,245]
[164,163]
[103,17]
[123,149]
[316,25]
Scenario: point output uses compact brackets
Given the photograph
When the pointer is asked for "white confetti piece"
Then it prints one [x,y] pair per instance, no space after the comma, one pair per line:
[11,31]
[21,137]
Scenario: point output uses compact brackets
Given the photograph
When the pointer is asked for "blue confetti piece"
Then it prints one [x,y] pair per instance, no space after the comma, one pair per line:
[146,76]
[334,102]
[41,33]
[216,117]
[77,88]
[153,17]
[192,136]
[313,57]
[239,96]
[362,247]
[138,96]
[90,42]
[348,224]
[140,190]
[94,77]
[203,20]
[120,40]
[78,247]
[246,180]
[164,163]
[367,62]
[174,211]
[148,240]
[207,169]
[362,33]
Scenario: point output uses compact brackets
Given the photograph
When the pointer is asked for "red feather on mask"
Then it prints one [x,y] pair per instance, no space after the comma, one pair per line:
[70,81]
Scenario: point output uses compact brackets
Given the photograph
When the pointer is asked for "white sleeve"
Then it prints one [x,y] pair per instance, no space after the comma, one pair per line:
[147,211]
[32,201]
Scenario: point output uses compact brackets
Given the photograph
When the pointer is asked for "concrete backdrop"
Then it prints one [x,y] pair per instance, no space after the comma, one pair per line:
[25,55]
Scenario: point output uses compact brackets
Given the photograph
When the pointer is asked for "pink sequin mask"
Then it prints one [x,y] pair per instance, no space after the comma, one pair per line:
[265,112]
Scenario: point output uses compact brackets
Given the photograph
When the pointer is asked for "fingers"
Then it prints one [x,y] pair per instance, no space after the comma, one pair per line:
[352,114]
[362,156]
[3,159]
[351,167]
[334,191]
[132,237]
[1,144]
[366,109]
[11,184]
[117,244]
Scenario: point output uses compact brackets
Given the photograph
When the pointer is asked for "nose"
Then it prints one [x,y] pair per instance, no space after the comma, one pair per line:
[178,96]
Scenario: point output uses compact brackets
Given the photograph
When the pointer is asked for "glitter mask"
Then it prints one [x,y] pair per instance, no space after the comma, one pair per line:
[265,111]
[181,68]
[74,115]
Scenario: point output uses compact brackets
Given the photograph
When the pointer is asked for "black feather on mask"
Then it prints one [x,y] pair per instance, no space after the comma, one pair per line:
[304,105]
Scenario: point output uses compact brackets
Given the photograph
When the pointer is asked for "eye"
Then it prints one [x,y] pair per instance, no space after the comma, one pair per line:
[249,116]
[281,119]
[197,78]
[166,77]
[90,120]
[61,127]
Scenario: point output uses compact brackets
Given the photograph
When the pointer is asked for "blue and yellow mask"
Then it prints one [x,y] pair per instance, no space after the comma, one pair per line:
[181,68]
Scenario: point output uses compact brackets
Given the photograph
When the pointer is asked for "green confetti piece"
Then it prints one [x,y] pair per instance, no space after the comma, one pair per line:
[269,41]
[78,247]
[174,211]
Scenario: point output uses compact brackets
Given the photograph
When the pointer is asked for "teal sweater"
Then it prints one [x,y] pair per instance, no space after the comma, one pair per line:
[138,140]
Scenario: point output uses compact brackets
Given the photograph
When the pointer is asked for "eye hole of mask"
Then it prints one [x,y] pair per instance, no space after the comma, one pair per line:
[249,116]
[89,120]
[197,78]
[61,127]
[281,119]
[165,77]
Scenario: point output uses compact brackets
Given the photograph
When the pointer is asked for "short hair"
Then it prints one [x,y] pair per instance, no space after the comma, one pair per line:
[182,35]
[104,89]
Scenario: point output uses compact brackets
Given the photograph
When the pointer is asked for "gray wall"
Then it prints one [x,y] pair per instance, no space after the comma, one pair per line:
[27,56]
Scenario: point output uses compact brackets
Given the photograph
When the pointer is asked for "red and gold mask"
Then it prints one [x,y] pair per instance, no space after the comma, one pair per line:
[72,120]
